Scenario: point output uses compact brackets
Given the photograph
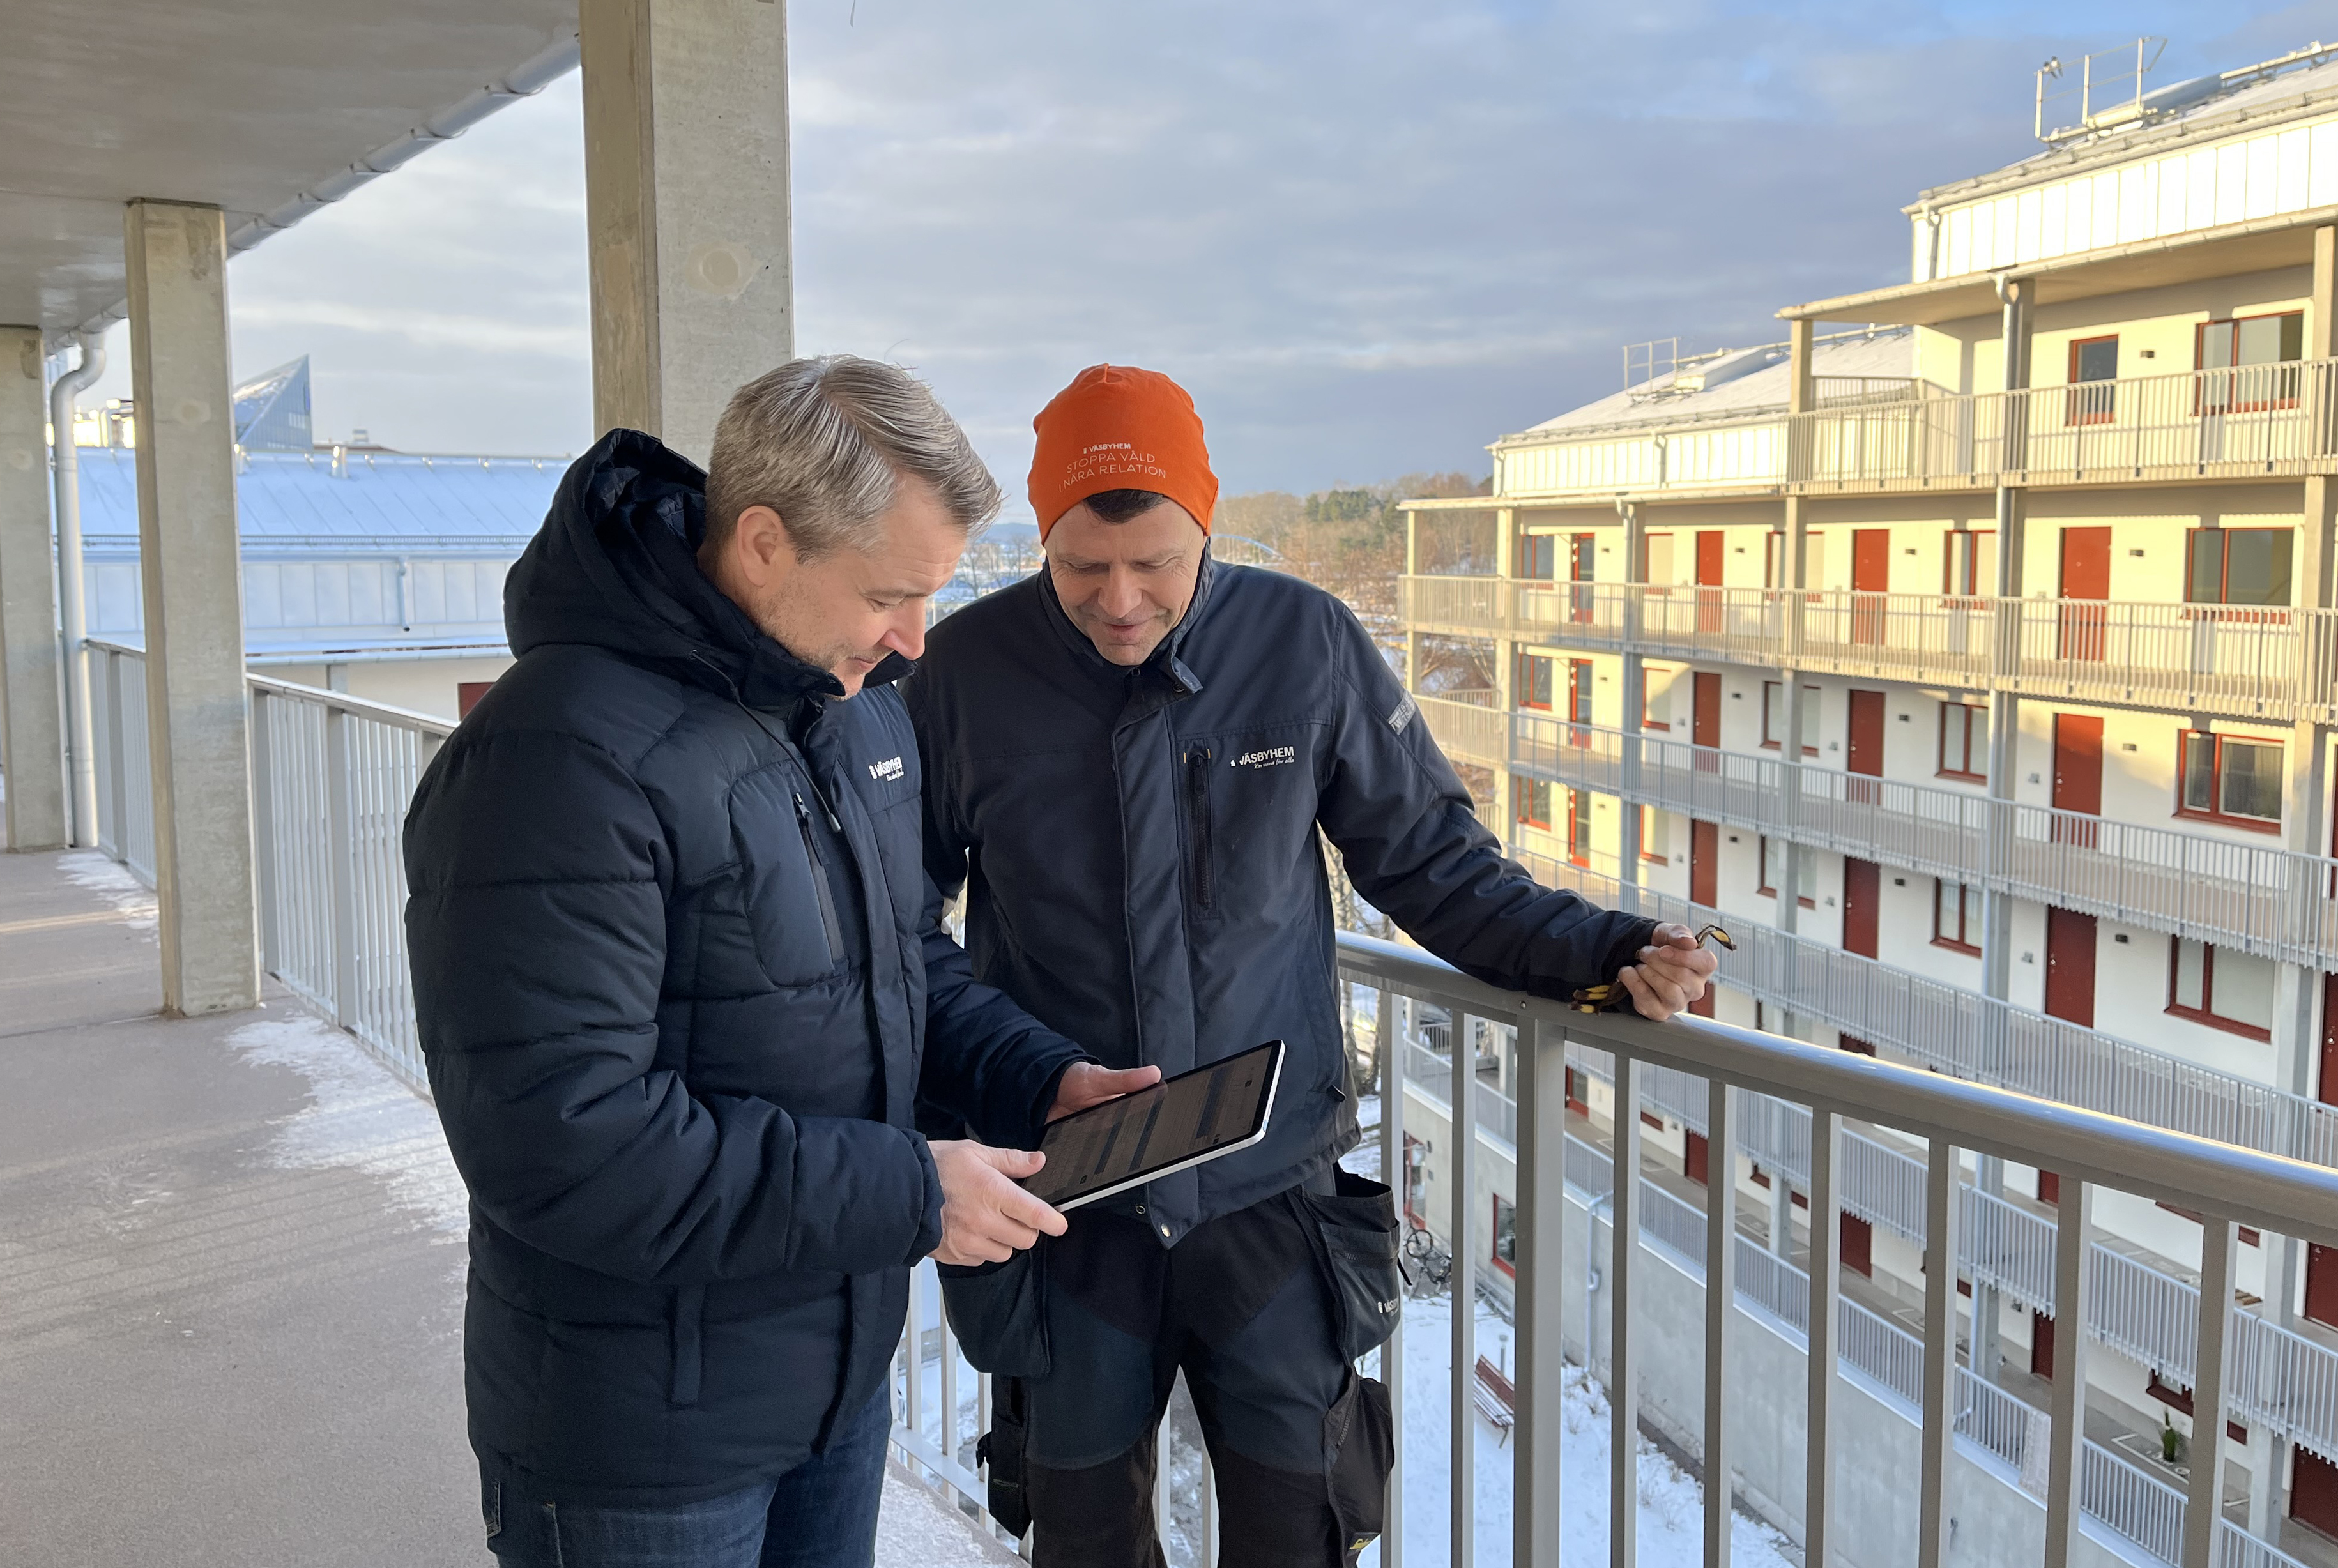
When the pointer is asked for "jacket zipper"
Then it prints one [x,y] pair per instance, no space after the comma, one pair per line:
[827,921]
[1197,797]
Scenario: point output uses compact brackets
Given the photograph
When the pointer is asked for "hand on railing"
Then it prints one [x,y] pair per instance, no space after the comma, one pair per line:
[1672,972]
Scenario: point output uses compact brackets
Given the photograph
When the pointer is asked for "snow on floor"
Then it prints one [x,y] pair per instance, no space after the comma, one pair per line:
[111,880]
[358,1117]
[1671,1503]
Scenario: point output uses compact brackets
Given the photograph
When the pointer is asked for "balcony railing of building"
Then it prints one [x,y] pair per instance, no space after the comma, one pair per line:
[332,776]
[2259,898]
[2231,422]
[2245,661]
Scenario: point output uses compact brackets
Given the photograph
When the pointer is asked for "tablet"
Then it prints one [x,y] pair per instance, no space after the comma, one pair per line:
[1177,1123]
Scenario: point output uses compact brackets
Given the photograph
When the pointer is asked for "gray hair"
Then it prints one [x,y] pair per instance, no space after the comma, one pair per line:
[824,441]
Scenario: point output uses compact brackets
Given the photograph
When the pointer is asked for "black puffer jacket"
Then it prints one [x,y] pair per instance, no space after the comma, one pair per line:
[669,937]
[1140,856]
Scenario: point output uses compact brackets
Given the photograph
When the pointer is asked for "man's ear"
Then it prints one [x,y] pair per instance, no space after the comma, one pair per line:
[760,547]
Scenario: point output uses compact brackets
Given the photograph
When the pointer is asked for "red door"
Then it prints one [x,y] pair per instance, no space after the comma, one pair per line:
[1863,883]
[1704,863]
[1693,1154]
[1705,718]
[2070,965]
[2041,1346]
[1866,745]
[2085,583]
[2314,1493]
[2322,1284]
[1708,580]
[1870,579]
[1858,1244]
[2328,1093]
[2078,776]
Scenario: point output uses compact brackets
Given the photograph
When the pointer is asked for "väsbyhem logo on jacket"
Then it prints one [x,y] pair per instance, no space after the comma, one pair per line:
[1273,757]
[887,771]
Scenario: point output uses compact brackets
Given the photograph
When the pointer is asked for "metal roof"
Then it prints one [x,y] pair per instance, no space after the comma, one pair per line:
[380,504]
[1885,355]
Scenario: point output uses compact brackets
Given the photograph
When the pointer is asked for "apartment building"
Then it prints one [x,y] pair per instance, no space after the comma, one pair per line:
[1970,656]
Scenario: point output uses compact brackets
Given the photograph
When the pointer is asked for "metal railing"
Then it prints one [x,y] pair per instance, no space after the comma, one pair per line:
[2229,1186]
[331,775]
[2233,422]
[2260,897]
[2272,662]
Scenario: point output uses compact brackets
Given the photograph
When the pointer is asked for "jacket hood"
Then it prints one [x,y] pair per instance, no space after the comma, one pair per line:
[615,566]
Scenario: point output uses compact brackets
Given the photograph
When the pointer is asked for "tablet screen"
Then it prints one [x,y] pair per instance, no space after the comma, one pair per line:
[1181,1122]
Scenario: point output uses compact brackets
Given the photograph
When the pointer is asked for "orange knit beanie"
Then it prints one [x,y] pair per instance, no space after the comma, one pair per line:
[1117,427]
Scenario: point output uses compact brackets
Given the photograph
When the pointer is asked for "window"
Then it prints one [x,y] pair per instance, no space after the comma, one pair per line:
[1773,716]
[2093,376]
[1533,802]
[1534,681]
[1968,563]
[1956,917]
[1656,697]
[2238,566]
[1774,861]
[1505,1235]
[2255,363]
[1656,559]
[1656,835]
[1578,827]
[2220,986]
[2229,779]
[1964,741]
[1536,555]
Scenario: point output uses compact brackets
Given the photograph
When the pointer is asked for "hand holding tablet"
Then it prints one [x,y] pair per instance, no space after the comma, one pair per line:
[1174,1125]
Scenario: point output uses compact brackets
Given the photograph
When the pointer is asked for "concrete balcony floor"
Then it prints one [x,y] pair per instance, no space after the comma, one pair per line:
[230,1275]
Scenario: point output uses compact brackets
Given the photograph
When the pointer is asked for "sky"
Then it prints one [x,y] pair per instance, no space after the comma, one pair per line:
[1370,237]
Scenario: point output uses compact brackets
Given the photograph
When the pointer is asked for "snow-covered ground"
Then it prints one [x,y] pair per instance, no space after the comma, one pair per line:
[1672,1504]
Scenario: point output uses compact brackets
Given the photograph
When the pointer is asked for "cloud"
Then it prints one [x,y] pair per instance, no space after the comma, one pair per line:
[1370,236]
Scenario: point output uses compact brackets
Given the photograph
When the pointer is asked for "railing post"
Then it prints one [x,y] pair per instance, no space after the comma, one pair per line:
[341,865]
[1623,1370]
[1720,1307]
[1826,1287]
[1393,1171]
[2204,1508]
[263,825]
[116,770]
[1541,1266]
[1939,1402]
[1461,1169]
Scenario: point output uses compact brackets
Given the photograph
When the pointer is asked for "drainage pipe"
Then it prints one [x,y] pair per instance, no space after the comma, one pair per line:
[81,767]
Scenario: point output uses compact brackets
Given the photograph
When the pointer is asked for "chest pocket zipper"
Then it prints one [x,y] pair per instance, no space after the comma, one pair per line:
[819,887]
[1198,807]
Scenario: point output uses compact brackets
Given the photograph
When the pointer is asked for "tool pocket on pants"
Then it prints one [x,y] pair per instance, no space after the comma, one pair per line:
[1356,1227]
[1000,1452]
[1359,1436]
[999,1313]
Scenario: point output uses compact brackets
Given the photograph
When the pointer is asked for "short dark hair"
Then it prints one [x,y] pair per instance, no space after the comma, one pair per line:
[1120,506]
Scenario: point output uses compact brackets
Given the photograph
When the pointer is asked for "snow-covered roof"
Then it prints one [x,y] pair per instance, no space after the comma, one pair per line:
[1745,382]
[380,504]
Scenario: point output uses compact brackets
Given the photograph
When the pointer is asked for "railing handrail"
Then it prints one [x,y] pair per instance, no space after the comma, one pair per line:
[2264,1191]
[388,713]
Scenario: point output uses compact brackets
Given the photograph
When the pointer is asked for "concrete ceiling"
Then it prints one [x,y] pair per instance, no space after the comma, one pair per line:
[243,104]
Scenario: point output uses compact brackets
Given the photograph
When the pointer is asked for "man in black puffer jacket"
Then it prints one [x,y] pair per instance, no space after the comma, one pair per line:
[679,988]
[1133,759]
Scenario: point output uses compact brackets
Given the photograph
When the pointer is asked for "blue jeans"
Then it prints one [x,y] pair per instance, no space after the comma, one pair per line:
[820,1514]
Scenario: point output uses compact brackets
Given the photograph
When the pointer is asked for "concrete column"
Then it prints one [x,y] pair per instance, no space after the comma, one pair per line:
[32,722]
[1636,710]
[194,607]
[1506,672]
[2004,708]
[686,208]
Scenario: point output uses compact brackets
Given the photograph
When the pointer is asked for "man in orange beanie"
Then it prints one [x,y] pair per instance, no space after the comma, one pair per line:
[1128,758]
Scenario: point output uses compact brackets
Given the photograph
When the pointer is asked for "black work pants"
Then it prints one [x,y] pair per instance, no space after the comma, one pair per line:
[1242,1308]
